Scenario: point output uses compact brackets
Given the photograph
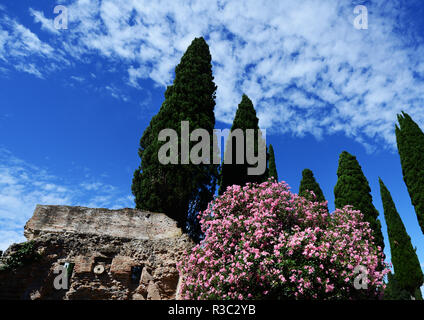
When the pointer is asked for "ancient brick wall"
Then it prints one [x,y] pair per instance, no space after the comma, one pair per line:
[115,254]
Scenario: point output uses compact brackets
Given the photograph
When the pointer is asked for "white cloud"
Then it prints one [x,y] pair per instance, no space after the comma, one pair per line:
[302,59]
[305,66]
[29,68]
[7,237]
[91,186]
[115,92]
[24,42]
[22,50]
[78,79]
[23,186]
[46,24]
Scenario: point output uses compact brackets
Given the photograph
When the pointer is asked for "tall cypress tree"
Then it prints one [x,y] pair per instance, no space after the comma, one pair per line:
[272,169]
[406,265]
[352,188]
[410,143]
[179,189]
[308,183]
[237,174]
[393,290]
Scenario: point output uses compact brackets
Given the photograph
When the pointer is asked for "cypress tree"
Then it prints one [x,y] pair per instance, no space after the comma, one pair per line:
[406,265]
[236,174]
[352,188]
[410,143]
[272,169]
[393,290]
[308,183]
[179,189]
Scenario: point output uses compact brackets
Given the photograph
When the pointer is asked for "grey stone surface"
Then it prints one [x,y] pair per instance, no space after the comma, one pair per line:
[123,223]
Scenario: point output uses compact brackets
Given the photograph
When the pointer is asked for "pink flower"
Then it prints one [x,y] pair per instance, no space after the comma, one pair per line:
[252,231]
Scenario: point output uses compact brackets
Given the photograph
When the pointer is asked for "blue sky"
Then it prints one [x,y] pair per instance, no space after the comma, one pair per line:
[74,103]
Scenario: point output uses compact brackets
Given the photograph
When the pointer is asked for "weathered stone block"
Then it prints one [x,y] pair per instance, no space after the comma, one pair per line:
[124,223]
[146,277]
[83,264]
[121,265]
[137,296]
[153,292]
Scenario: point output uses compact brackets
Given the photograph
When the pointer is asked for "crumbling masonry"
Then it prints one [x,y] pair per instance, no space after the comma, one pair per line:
[110,254]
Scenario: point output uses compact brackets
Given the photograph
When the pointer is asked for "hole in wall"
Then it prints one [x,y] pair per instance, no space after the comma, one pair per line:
[136,274]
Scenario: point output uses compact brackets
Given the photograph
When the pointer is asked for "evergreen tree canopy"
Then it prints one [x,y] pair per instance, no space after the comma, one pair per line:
[393,290]
[179,189]
[308,183]
[406,265]
[410,143]
[236,174]
[352,188]
[272,169]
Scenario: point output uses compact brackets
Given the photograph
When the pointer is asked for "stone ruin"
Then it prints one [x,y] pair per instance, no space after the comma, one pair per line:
[110,254]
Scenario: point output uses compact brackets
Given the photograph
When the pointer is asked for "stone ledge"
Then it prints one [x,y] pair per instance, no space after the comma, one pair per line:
[123,223]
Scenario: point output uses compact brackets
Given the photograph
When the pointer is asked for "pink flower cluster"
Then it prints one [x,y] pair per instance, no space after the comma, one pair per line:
[262,241]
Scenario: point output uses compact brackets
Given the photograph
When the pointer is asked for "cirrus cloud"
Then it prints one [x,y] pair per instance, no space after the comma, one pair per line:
[23,186]
[305,66]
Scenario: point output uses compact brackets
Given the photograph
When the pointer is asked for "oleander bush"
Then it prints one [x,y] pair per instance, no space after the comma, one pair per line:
[265,242]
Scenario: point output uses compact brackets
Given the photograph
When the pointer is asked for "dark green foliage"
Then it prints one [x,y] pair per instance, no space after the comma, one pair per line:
[405,261]
[236,174]
[410,143]
[24,254]
[272,169]
[418,294]
[308,183]
[179,189]
[393,290]
[352,188]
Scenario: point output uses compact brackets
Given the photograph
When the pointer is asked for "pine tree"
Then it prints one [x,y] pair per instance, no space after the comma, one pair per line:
[352,188]
[410,143]
[179,189]
[236,174]
[308,183]
[404,258]
[272,169]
